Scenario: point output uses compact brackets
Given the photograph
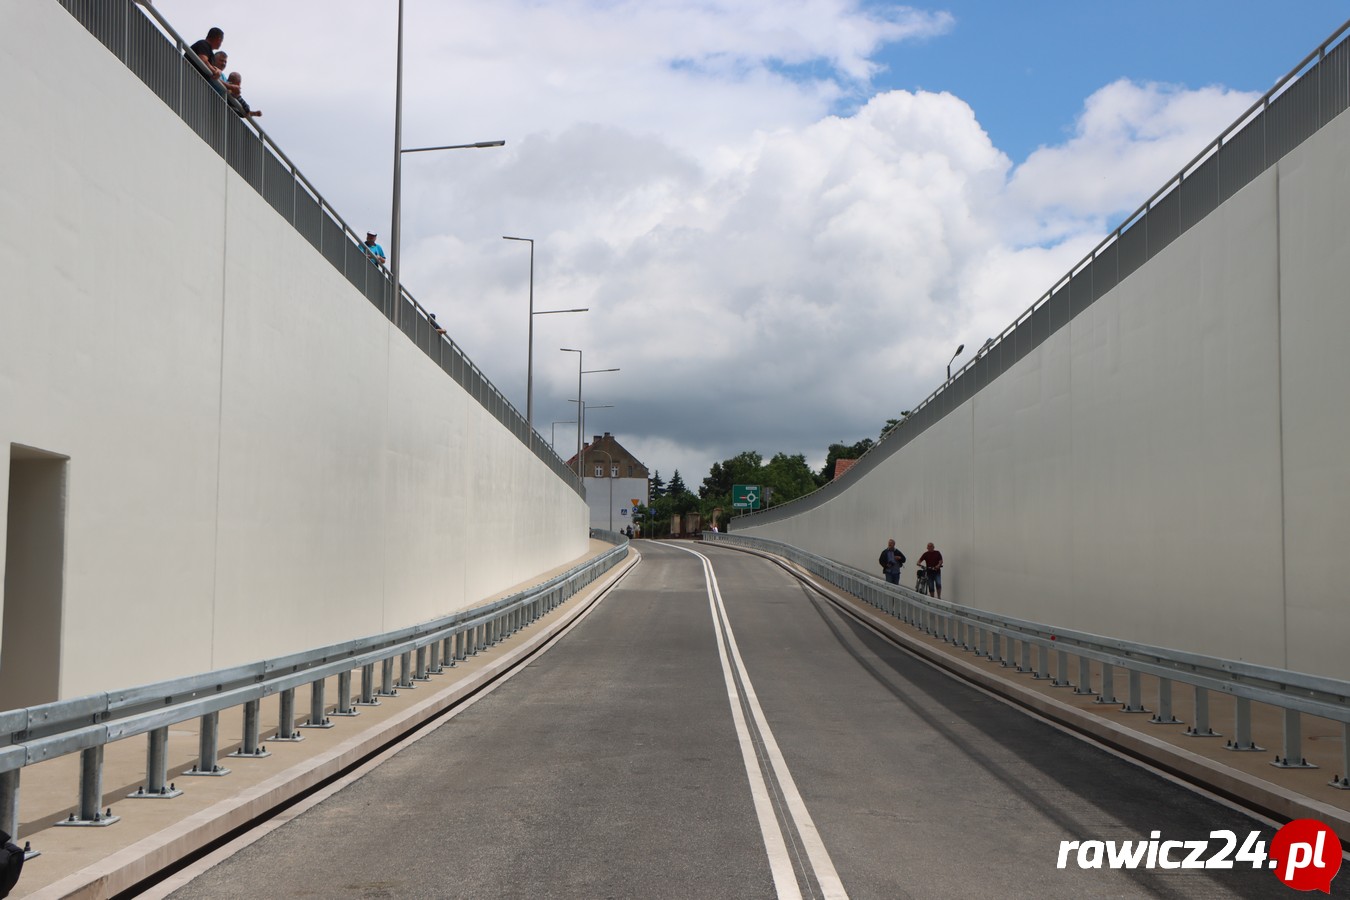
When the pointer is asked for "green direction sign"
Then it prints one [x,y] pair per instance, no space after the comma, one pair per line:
[745,496]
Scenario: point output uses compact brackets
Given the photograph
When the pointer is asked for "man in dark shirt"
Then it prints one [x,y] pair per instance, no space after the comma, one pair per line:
[890,560]
[206,48]
[933,560]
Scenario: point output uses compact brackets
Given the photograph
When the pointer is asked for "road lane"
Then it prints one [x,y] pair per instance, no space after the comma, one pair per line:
[608,768]
[925,787]
[611,767]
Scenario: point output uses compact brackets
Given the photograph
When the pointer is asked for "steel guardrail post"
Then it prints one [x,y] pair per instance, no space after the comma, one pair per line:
[387,688]
[345,707]
[318,718]
[286,718]
[252,746]
[1108,692]
[1084,685]
[405,671]
[1242,727]
[1061,669]
[91,792]
[420,674]
[208,744]
[157,785]
[1164,714]
[1341,781]
[996,647]
[1293,743]
[1135,703]
[434,658]
[368,686]
[1042,670]
[1201,728]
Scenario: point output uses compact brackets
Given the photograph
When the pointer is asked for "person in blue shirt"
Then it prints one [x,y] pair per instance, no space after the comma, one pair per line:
[372,249]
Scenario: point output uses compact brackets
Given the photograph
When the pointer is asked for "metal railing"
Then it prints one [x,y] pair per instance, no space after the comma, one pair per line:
[1010,642]
[85,725]
[1312,94]
[149,46]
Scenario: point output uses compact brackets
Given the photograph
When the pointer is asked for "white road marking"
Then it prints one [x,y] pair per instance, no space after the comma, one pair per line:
[821,864]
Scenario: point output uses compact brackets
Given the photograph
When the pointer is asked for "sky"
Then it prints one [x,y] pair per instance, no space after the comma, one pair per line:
[784,216]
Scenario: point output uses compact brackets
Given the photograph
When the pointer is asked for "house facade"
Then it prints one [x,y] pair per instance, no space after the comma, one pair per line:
[616,481]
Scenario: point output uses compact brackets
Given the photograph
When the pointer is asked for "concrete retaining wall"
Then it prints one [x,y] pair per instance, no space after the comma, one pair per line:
[255,461]
[1171,467]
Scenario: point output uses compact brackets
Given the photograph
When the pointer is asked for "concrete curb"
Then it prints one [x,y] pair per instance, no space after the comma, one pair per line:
[132,865]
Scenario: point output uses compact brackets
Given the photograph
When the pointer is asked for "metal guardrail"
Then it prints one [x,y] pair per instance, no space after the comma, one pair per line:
[1312,94]
[85,725]
[149,46]
[1010,641]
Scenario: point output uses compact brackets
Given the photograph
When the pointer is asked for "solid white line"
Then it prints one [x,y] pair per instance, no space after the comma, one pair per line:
[780,862]
[821,864]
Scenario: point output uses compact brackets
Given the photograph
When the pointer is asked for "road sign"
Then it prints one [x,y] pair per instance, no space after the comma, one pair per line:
[745,496]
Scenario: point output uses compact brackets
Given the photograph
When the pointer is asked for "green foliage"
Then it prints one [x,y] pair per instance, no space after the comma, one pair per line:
[843,451]
[781,479]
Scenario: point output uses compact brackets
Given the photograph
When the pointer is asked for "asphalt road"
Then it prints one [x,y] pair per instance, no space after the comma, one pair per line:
[618,765]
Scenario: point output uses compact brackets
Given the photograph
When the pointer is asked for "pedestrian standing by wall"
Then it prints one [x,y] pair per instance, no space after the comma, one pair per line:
[933,560]
[891,560]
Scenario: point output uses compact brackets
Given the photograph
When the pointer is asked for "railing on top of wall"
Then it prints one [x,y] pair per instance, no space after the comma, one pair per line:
[85,725]
[1312,94]
[1009,642]
[149,46]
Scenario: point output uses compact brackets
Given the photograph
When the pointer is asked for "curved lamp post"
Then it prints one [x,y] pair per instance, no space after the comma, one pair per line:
[953,359]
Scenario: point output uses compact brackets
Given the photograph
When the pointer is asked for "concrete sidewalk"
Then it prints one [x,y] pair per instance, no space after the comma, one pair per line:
[88,861]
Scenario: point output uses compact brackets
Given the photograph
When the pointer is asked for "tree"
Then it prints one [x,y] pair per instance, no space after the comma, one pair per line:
[788,476]
[657,487]
[743,468]
[843,451]
[680,497]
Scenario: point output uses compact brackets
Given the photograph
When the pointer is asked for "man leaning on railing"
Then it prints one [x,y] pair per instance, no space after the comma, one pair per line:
[372,249]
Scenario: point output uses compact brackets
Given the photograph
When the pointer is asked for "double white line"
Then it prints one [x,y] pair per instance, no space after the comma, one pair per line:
[780,860]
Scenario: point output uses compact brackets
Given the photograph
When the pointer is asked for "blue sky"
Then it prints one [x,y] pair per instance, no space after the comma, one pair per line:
[783,214]
[1025,67]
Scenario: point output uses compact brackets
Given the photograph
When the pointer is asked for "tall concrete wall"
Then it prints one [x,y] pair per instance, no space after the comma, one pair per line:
[257,461]
[1171,467]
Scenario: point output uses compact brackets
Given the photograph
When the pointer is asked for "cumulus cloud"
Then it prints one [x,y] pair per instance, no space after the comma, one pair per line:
[768,272]
[1129,139]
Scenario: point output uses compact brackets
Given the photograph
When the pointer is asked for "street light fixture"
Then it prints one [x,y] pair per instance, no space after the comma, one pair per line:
[529,363]
[581,407]
[553,433]
[953,359]
[395,216]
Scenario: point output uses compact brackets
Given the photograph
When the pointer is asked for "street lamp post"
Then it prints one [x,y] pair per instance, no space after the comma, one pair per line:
[580,356]
[529,361]
[395,216]
[581,407]
[581,463]
[953,359]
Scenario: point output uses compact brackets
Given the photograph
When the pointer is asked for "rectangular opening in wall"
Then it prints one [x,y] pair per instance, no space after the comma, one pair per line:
[35,552]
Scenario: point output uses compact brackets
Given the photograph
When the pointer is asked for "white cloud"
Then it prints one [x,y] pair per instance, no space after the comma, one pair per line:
[769,276]
[1129,140]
